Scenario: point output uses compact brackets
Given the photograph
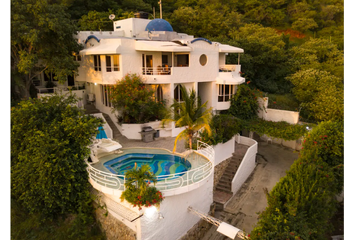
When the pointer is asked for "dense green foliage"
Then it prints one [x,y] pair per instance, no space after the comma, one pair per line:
[138,191]
[42,40]
[223,128]
[49,139]
[26,226]
[244,104]
[282,130]
[135,102]
[191,114]
[304,201]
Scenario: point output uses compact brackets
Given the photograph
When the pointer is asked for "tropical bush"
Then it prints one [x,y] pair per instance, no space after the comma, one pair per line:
[281,129]
[244,103]
[223,128]
[134,102]
[304,201]
[49,139]
[138,191]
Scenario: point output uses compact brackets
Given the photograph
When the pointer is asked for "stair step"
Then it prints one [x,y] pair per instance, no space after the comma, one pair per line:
[225,181]
[230,172]
[223,189]
[224,185]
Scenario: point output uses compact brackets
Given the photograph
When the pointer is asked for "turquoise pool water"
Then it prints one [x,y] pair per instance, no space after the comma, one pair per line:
[161,164]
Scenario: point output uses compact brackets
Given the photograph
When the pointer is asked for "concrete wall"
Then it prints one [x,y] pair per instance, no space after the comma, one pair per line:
[177,220]
[276,115]
[224,151]
[247,165]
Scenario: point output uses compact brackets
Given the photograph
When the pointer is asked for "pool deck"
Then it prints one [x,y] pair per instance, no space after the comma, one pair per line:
[162,142]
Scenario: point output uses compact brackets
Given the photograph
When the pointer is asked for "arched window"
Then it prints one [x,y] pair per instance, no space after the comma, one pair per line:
[159,94]
[178,93]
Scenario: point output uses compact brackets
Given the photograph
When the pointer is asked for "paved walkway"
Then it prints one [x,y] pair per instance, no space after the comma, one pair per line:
[241,211]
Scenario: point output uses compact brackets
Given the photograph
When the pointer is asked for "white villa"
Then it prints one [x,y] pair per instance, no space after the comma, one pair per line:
[166,60]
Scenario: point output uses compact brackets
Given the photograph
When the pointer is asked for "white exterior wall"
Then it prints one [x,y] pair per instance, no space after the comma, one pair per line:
[276,115]
[224,151]
[177,220]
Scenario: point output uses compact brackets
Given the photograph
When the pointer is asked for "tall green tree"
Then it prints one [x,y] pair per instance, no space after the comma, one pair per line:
[49,139]
[42,40]
[265,61]
[191,114]
[321,94]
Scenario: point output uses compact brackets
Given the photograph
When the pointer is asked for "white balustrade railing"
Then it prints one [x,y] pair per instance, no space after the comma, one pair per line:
[110,180]
[206,150]
[164,182]
[156,70]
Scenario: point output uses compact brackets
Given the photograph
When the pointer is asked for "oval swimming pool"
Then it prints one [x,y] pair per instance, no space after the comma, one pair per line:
[161,164]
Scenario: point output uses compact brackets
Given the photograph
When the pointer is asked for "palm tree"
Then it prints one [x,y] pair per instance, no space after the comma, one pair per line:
[138,178]
[190,114]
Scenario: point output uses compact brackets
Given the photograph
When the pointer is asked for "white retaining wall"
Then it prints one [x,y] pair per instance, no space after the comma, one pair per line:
[276,115]
[224,151]
[247,165]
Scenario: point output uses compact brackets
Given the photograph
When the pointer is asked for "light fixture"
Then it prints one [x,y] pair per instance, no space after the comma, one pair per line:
[160,216]
[95,84]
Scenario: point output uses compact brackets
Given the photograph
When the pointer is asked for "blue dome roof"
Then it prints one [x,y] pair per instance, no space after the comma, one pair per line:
[159,25]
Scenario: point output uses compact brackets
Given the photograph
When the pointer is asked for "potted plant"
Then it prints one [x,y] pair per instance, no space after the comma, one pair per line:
[138,189]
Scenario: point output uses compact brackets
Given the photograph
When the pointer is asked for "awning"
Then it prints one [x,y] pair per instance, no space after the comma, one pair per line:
[160,46]
[106,46]
[230,81]
[229,49]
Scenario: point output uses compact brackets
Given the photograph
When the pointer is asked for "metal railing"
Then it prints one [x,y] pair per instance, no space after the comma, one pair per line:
[164,182]
[206,150]
[156,70]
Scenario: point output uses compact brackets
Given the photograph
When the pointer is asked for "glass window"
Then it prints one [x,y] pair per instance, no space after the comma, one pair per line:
[108,64]
[115,62]
[226,92]
[203,59]
[182,60]
[97,62]
[159,94]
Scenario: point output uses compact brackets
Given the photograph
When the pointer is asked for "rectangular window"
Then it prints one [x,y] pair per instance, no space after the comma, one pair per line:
[182,60]
[115,62]
[108,64]
[226,92]
[97,62]
[105,95]
[164,60]
[112,63]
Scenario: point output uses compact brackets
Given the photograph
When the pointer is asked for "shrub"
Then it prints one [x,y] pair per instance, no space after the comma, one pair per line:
[138,191]
[303,201]
[48,146]
[281,129]
[223,128]
[134,102]
[244,103]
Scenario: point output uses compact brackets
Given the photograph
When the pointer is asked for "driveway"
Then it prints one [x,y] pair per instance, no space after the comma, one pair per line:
[241,211]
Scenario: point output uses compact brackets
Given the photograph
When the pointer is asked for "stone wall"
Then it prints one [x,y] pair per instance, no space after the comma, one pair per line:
[112,227]
[198,231]
[219,170]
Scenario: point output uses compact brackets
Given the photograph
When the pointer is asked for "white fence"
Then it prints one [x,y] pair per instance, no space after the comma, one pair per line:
[247,165]
[164,182]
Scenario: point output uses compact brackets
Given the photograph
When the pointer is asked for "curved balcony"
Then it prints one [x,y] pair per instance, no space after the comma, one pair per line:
[169,185]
